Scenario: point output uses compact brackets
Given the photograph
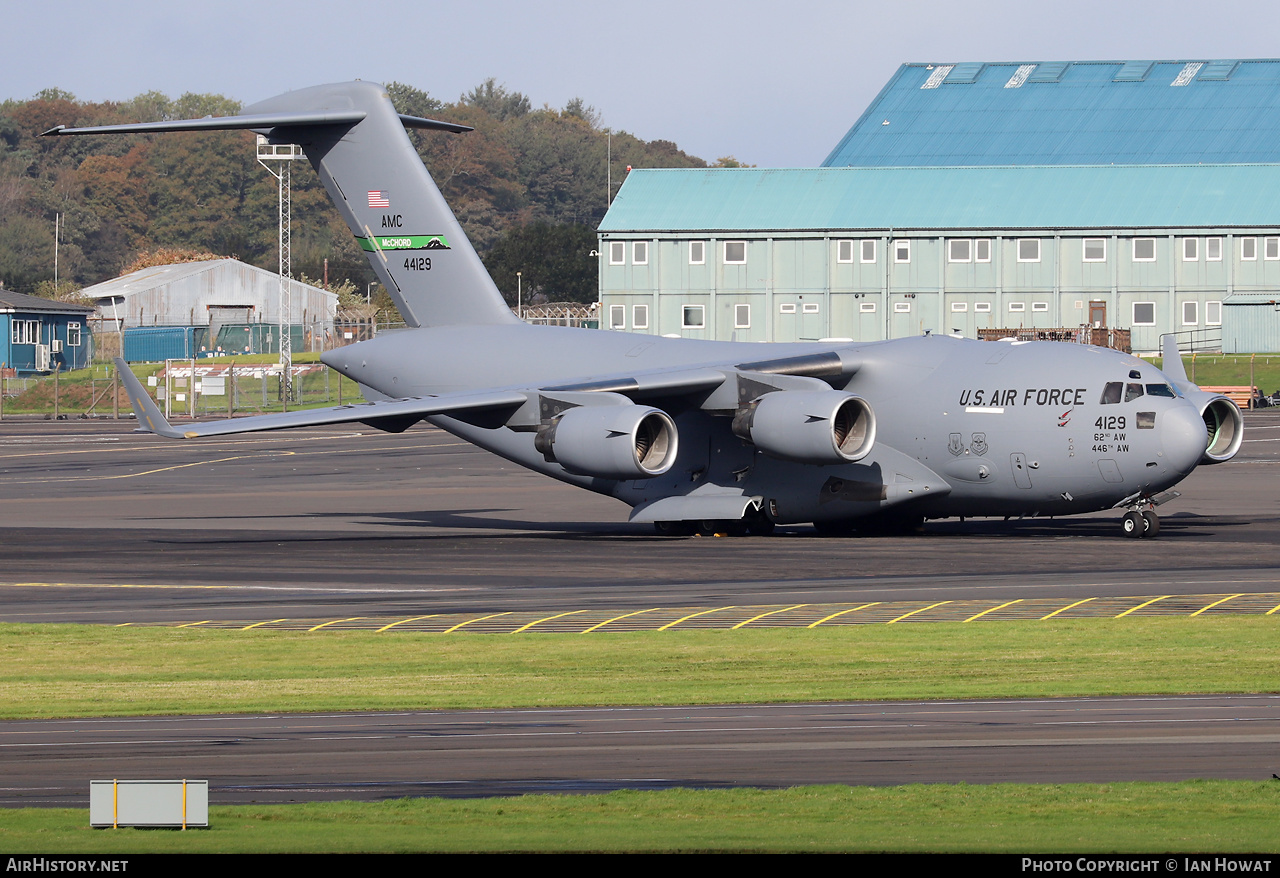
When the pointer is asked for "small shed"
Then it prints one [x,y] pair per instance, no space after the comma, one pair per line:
[41,335]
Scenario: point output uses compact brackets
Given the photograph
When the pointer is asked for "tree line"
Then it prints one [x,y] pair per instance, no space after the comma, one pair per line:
[528,185]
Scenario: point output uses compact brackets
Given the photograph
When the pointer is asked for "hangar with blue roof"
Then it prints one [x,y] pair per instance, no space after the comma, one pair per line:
[969,197]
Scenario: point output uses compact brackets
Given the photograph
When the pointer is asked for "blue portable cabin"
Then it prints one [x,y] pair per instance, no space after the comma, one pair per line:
[41,335]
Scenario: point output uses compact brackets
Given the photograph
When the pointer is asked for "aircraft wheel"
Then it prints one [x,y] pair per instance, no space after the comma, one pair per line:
[1133,525]
[1152,524]
[758,523]
[723,526]
[674,528]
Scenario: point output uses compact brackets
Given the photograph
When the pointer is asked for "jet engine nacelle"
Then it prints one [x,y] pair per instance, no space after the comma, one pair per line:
[817,427]
[1224,426]
[611,441]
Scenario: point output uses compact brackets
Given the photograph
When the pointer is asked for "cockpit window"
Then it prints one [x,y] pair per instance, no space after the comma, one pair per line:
[1111,393]
[1160,390]
[1132,392]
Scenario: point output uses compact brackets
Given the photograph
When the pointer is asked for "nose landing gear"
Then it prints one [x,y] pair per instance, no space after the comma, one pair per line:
[1137,525]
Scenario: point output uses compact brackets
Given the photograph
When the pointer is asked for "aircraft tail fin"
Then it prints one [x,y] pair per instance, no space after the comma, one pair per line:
[356,141]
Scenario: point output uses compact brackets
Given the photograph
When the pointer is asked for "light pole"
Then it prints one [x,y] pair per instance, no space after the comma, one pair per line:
[519,293]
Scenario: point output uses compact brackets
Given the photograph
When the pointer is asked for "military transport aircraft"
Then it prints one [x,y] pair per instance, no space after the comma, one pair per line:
[727,436]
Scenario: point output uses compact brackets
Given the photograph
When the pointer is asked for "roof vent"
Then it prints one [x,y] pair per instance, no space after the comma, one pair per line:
[935,78]
[965,74]
[1049,71]
[1188,73]
[1218,71]
[1020,76]
[1134,71]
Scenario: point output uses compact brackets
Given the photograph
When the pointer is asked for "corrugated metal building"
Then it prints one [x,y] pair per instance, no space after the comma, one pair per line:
[41,335]
[1070,113]
[214,293]
[971,214]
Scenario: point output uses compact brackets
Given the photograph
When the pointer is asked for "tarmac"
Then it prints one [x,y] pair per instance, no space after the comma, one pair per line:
[329,529]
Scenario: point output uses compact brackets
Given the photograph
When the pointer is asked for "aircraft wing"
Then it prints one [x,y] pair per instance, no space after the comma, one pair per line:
[393,415]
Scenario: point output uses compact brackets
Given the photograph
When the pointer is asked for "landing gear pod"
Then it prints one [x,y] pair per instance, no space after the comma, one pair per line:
[1225,427]
[816,427]
[611,442]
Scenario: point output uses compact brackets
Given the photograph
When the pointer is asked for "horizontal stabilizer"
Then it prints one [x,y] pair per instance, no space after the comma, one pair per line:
[393,415]
[253,122]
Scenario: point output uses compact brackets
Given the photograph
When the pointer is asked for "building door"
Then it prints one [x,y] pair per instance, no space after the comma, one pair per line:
[1098,315]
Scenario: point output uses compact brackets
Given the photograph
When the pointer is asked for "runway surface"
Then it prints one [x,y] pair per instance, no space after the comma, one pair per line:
[104,526]
[330,524]
[370,756]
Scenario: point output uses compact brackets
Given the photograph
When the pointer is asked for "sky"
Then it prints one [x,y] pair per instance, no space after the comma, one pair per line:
[775,84]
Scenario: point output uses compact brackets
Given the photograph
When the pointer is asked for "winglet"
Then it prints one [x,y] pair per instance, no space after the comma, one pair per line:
[1171,363]
[143,406]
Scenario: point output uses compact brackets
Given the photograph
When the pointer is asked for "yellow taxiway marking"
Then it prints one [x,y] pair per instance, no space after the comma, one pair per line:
[334,622]
[616,618]
[403,621]
[913,612]
[762,615]
[1141,605]
[1214,604]
[1064,609]
[265,622]
[1272,610]
[691,616]
[993,609]
[841,613]
[194,624]
[547,619]
[469,621]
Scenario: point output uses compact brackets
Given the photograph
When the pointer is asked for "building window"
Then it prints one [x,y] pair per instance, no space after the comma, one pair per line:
[639,316]
[869,250]
[1039,306]
[1095,249]
[1017,306]
[1144,249]
[1212,249]
[811,307]
[1028,249]
[959,306]
[959,250]
[844,251]
[1213,313]
[26,332]
[982,250]
[867,307]
[693,317]
[901,307]
[1190,314]
[735,252]
[902,251]
[640,253]
[617,316]
[617,253]
[983,307]
[1144,313]
[1249,249]
[787,308]
[741,316]
[697,252]
[1190,249]
[73,335]
[1272,248]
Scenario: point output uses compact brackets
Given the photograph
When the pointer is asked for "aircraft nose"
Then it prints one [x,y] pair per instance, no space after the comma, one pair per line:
[1184,437]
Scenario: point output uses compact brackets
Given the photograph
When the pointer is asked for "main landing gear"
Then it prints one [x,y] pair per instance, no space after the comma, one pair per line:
[1140,523]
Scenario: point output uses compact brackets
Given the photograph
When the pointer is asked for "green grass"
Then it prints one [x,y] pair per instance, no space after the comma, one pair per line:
[1202,816]
[1232,370]
[73,670]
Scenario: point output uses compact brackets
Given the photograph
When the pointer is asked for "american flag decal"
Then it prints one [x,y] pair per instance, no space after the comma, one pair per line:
[378,198]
